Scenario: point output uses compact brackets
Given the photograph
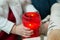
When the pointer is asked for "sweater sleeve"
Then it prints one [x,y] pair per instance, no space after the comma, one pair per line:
[55,17]
[5,25]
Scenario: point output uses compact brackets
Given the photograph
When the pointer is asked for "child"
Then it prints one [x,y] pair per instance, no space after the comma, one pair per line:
[10,20]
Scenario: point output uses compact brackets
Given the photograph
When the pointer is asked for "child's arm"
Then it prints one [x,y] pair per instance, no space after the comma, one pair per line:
[54,26]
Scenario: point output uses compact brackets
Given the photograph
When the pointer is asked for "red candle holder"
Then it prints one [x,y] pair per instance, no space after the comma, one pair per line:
[32,20]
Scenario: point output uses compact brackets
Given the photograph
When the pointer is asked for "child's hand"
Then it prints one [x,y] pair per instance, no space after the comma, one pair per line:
[21,30]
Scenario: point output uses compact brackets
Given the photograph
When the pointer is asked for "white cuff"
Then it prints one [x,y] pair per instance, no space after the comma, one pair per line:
[46,18]
[8,27]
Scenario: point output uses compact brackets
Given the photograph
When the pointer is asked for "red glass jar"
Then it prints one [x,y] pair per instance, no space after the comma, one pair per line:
[32,20]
